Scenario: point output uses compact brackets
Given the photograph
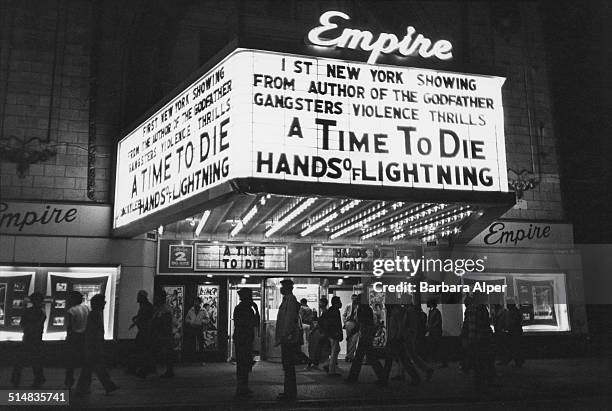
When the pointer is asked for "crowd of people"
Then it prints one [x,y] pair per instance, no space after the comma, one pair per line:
[303,336]
[411,335]
[84,343]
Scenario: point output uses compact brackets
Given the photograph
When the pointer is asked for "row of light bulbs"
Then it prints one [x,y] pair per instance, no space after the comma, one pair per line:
[431,224]
[328,215]
[398,225]
[376,230]
[244,220]
[359,216]
[441,234]
[319,224]
[415,229]
[289,217]
[321,214]
[359,222]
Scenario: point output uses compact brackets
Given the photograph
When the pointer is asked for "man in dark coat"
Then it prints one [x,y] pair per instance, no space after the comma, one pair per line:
[94,355]
[161,334]
[319,343]
[434,330]
[365,319]
[288,335]
[246,319]
[396,342]
[332,329]
[32,322]
[143,363]
[514,325]
[477,328]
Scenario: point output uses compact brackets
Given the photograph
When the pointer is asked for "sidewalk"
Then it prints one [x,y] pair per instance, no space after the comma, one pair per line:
[212,386]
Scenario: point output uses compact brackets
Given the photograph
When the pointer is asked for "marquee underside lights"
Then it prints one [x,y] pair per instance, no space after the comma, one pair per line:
[289,217]
[202,222]
[285,118]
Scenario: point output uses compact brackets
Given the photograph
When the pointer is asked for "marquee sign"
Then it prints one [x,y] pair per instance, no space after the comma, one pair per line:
[285,117]
[347,259]
[235,257]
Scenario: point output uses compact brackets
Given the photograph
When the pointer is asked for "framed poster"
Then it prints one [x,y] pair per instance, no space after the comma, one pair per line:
[536,301]
[175,298]
[15,287]
[89,281]
[209,294]
[180,256]
[60,287]
[377,302]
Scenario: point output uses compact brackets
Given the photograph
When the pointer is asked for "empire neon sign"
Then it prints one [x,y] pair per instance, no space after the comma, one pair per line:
[386,43]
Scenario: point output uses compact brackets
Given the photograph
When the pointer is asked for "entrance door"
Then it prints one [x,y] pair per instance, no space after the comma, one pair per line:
[234,286]
[182,293]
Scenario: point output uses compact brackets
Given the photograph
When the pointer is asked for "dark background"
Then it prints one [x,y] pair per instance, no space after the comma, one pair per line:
[578,36]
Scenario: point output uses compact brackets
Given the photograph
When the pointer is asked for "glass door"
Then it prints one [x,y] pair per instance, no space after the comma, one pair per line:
[234,285]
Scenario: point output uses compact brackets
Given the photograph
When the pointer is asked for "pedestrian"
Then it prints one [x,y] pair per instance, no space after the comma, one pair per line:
[319,343]
[466,363]
[480,339]
[434,333]
[161,333]
[412,327]
[396,344]
[514,325]
[306,319]
[421,331]
[499,319]
[76,323]
[142,361]
[332,329]
[94,352]
[196,319]
[367,328]
[32,323]
[246,319]
[288,337]
[349,319]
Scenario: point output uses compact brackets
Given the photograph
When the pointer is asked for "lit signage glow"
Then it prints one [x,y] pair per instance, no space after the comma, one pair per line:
[385,43]
[287,117]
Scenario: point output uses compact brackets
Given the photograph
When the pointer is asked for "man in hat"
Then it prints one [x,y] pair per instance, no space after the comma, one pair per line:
[246,319]
[32,322]
[288,337]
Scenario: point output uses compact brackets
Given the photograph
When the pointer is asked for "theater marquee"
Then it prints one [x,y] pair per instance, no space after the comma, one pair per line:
[282,117]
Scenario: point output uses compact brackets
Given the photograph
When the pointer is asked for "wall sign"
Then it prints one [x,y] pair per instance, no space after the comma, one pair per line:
[411,44]
[524,234]
[236,257]
[294,118]
[180,256]
[24,217]
[347,259]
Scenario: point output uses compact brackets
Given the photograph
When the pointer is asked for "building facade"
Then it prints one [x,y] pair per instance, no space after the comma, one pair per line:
[79,81]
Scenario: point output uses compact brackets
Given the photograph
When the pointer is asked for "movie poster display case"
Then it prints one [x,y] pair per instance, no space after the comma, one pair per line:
[55,283]
[541,298]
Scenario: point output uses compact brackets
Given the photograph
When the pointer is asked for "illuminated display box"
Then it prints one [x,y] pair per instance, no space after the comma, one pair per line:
[17,283]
